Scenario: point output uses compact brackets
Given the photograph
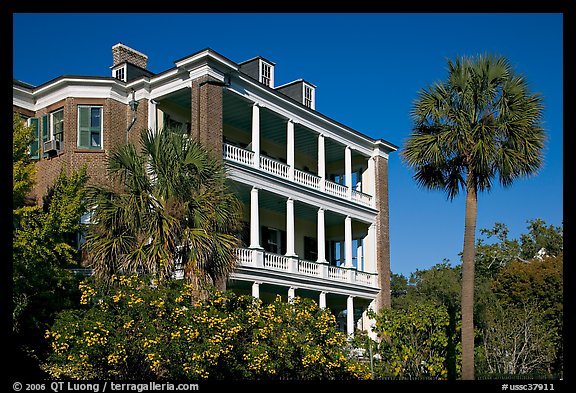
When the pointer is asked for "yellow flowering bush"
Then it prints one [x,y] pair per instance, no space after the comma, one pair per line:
[137,330]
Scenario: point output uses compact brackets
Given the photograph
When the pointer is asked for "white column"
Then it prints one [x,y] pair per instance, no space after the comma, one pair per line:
[350,315]
[348,170]
[348,242]
[290,149]
[321,231]
[254,219]
[256,290]
[370,250]
[321,162]
[291,294]
[290,228]
[322,300]
[152,111]
[371,186]
[256,134]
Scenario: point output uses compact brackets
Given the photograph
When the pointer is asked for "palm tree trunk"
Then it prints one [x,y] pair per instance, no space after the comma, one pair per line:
[468,282]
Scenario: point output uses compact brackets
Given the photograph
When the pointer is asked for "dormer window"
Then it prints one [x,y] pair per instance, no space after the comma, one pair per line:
[120,73]
[308,96]
[266,77]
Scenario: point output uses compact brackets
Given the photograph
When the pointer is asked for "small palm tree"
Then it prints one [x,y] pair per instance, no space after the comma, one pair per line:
[481,123]
[169,208]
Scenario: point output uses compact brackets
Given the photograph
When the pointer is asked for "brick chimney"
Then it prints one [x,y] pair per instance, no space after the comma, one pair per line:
[122,53]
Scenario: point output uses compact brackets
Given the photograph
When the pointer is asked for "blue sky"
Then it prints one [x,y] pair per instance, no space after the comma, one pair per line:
[368,69]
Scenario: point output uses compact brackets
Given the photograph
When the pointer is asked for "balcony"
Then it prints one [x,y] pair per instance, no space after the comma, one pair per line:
[281,170]
[299,267]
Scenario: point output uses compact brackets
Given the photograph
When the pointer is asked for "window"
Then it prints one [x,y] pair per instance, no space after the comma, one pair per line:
[119,74]
[266,74]
[336,253]
[308,96]
[274,240]
[57,125]
[310,248]
[90,127]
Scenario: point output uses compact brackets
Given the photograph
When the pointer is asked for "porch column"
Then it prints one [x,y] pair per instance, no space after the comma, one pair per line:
[254,219]
[350,315]
[152,112]
[290,149]
[370,250]
[256,289]
[348,171]
[291,294]
[371,178]
[321,231]
[256,134]
[348,242]
[290,228]
[322,300]
[321,162]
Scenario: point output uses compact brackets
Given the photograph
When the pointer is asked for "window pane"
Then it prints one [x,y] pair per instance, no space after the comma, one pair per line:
[95,139]
[95,118]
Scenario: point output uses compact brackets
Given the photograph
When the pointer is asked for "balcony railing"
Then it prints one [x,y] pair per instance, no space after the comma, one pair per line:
[282,170]
[237,154]
[274,167]
[295,266]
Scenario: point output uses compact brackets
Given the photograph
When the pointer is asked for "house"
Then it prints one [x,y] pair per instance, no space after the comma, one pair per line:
[315,190]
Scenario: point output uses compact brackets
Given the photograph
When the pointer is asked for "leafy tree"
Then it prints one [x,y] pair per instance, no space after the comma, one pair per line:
[169,209]
[439,286]
[479,124]
[139,328]
[541,237]
[23,168]
[493,257]
[43,252]
[517,340]
[414,342]
[538,282]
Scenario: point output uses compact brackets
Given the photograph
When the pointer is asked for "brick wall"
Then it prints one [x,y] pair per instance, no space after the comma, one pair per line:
[207,123]
[383,300]
[116,117]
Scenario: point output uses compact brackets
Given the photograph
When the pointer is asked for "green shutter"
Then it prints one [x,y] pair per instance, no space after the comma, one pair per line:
[34,146]
[45,130]
[84,126]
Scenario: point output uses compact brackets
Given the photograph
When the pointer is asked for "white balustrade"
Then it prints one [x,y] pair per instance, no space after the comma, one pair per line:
[361,198]
[274,167]
[249,257]
[276,262]
[364,278]
[237,154]
[335,273]
[309,268]
[336,189]
[244,256]
[307,179]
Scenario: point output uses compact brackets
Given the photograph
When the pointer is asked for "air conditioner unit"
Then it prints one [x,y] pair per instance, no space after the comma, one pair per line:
[52,146]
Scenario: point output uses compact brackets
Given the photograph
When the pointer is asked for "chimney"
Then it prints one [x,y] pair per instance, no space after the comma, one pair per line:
[122,53]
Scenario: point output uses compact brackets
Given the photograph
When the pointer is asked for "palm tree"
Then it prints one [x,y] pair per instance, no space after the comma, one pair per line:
[479,124]
[168,208]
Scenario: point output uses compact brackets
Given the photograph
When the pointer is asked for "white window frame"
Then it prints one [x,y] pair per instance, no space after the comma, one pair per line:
[121,70]
[308,96]
[52,123]
[266,74]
